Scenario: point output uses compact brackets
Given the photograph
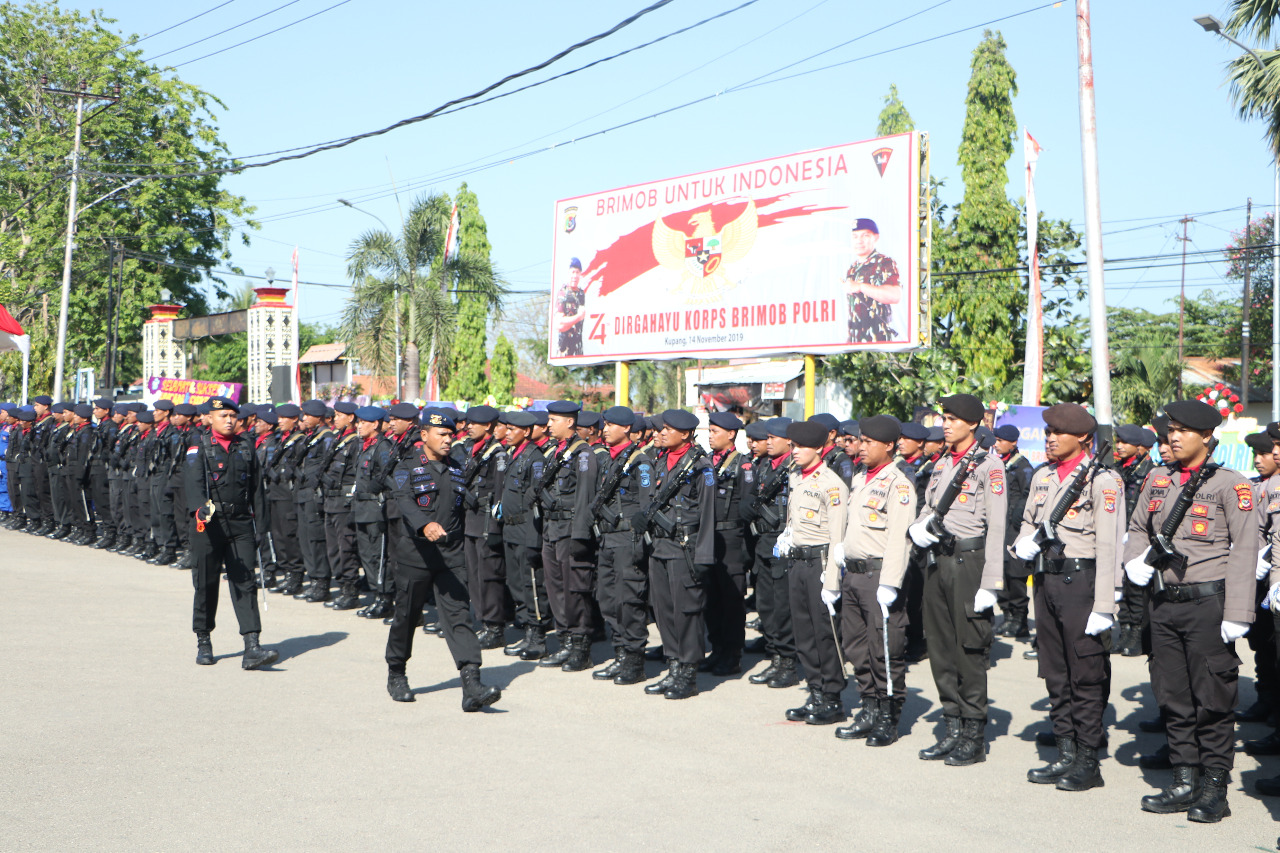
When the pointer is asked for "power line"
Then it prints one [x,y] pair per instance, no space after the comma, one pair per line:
[264,35]
[150,59]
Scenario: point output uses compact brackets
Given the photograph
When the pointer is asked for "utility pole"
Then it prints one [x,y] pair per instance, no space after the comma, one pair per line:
[71,221]
[1247,310]
[1182,298]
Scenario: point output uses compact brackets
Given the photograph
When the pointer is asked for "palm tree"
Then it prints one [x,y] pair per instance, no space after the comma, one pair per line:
[1256,90]
[1144,375]
[413,268]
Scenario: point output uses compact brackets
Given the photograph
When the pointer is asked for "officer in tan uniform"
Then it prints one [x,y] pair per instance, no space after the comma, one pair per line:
[1076,578]
[1198,610]
[882,504]
[815,525]
[959,587]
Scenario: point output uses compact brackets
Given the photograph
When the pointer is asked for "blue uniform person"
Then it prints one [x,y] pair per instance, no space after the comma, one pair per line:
[223,499]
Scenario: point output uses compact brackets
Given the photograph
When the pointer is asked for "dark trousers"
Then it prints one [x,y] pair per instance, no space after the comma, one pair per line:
[487,580]
[227,543]
[773,602]
[138,508]
[1134,610]
[453,604]
[340,547]
[862,634]
[58,496]
[375,556]
[570,584]
[959,638]
[100,488]
[284,535]
[1262,641]
[315,554]
[1013,599]
[43,497]
[182,529]
[678,604]
[118,510]
[912,593]
[816,642]
[727,593]
[526,584]
[11,484]
[1194,676]
[163,530]
[622,588]
[1075,667]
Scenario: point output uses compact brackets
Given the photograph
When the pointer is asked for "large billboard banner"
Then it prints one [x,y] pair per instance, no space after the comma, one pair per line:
[194,391]
[816,252]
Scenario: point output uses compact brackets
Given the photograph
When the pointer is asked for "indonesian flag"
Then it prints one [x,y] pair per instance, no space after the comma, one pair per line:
[1033,371]
[12,336]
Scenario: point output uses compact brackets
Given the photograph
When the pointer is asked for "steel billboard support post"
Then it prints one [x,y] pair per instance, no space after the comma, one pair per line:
[808,385]
[622,383]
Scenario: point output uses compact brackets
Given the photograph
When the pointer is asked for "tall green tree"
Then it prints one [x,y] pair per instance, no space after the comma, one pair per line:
[1259,263]
[894,117]
[1256,91]
[466,378]
[502,371]
[173,229]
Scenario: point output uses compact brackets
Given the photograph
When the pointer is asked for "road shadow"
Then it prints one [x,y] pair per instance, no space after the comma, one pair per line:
[1249,778]
[296,646]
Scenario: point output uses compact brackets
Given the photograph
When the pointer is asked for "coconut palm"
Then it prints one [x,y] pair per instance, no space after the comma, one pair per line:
[412,267]
[1144,374]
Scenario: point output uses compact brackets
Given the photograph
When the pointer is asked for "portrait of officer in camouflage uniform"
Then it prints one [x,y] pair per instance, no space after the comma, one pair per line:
[873,287]
[571,308]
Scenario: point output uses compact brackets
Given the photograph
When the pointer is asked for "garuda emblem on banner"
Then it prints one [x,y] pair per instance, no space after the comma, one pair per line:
[701,258]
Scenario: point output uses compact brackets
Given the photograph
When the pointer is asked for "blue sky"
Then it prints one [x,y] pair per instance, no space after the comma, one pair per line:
[1170,142]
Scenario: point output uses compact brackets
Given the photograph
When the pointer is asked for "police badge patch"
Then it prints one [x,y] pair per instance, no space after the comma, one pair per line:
[833,495]
[646,475]
[708,478]
[584,462]
[401,477]
[904,494]
[997,482]
[1109,500]
[1244,496]
[747,475]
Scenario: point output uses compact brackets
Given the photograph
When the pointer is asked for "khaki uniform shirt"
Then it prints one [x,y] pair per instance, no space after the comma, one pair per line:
[979,510]
[815,514]
[1218,535]
[881,507]
[1092,529]
[1266,498]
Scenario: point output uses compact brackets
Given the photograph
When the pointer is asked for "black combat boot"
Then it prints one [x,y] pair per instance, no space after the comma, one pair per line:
[476,695]
[768,672]
[830,710]
[1180,794]
[561,655]
[730,664]
[787,674]
[1269,745]
[885,732]
[398,686]
[59,532]
[611,669]
[659,687]
[105,542]
[811,702]
[492,636]
[514,650]
[167,557]
[147,552]
[319,591]
[1084,773]
[655,653]
[1132,646]
[204,649]
[1053,771]
[972,748]
[255,656]
[864,722]
[535,645]
[380,608]
[950,740]
[292,584]
[685,684]
[710,662]
[122,543]
[269,581]
[349,599]
[187,560]
[630,667]
[579,654]
[1211,806]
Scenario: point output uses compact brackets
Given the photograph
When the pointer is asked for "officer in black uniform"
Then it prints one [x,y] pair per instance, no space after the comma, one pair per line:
[622,588]
[1013,599]
[680,521]
[310,500]
[137,491]
[429,557]
[338,485]
[180,439]
[117,475]
[1133,464]
[104,436]
[726,612]
[24,458]
[368,510]
[160,468]
[280,485]
[223,498]
[522,535]
[80,449]
[833,455]
[484,459]
[40,501]
[55,455]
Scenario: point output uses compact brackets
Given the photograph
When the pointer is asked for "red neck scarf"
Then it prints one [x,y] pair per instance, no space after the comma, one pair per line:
[1065,468]
[614,451]
[674,456]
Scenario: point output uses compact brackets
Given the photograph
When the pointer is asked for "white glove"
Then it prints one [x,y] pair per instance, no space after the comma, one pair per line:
[1098,622]
[1119,595]
[1273,597]
[829,598]
[1264,568]
[784,542]
[1026,548]
[1138,571]
[984,600]
[838,552]
[1232,631]
[886,595]
[919,535]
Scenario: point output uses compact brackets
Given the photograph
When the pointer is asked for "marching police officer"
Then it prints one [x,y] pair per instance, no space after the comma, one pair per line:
[1202,602]
[881,505]
[223,499]
[429,558]
[959,592]
[1077,575]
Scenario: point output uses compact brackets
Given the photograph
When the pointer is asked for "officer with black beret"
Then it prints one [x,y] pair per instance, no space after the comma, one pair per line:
[1133,464]
[338,485]
[726,611]
[280,475]
[484,460]
[223,499]
[137,491]
[1261,636]
[368,510]
[309,497]
[835,457]
[1013,599]
[521,527]
[104,432]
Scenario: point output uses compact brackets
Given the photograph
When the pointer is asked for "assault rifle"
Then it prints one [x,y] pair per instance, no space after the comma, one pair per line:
[1046,535]
[1162,555]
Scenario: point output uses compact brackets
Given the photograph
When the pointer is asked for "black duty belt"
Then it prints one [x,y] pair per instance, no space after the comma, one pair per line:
[728,525]
[560,515]
[864,567]
[809,552]
[681,533]
[367,496]
[515,518]
[1068,566]
[1176,592]
[623,526]
[972,543]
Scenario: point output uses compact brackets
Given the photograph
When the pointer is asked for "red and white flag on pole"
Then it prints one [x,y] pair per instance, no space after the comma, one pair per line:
[12,336]
[297,319]
[432,391]
[1033,372]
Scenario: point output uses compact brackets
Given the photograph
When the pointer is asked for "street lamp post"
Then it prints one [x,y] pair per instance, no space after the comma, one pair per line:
[1213,25]
[395,291]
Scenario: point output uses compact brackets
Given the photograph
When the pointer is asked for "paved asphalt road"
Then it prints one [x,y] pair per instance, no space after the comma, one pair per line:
[113,739]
